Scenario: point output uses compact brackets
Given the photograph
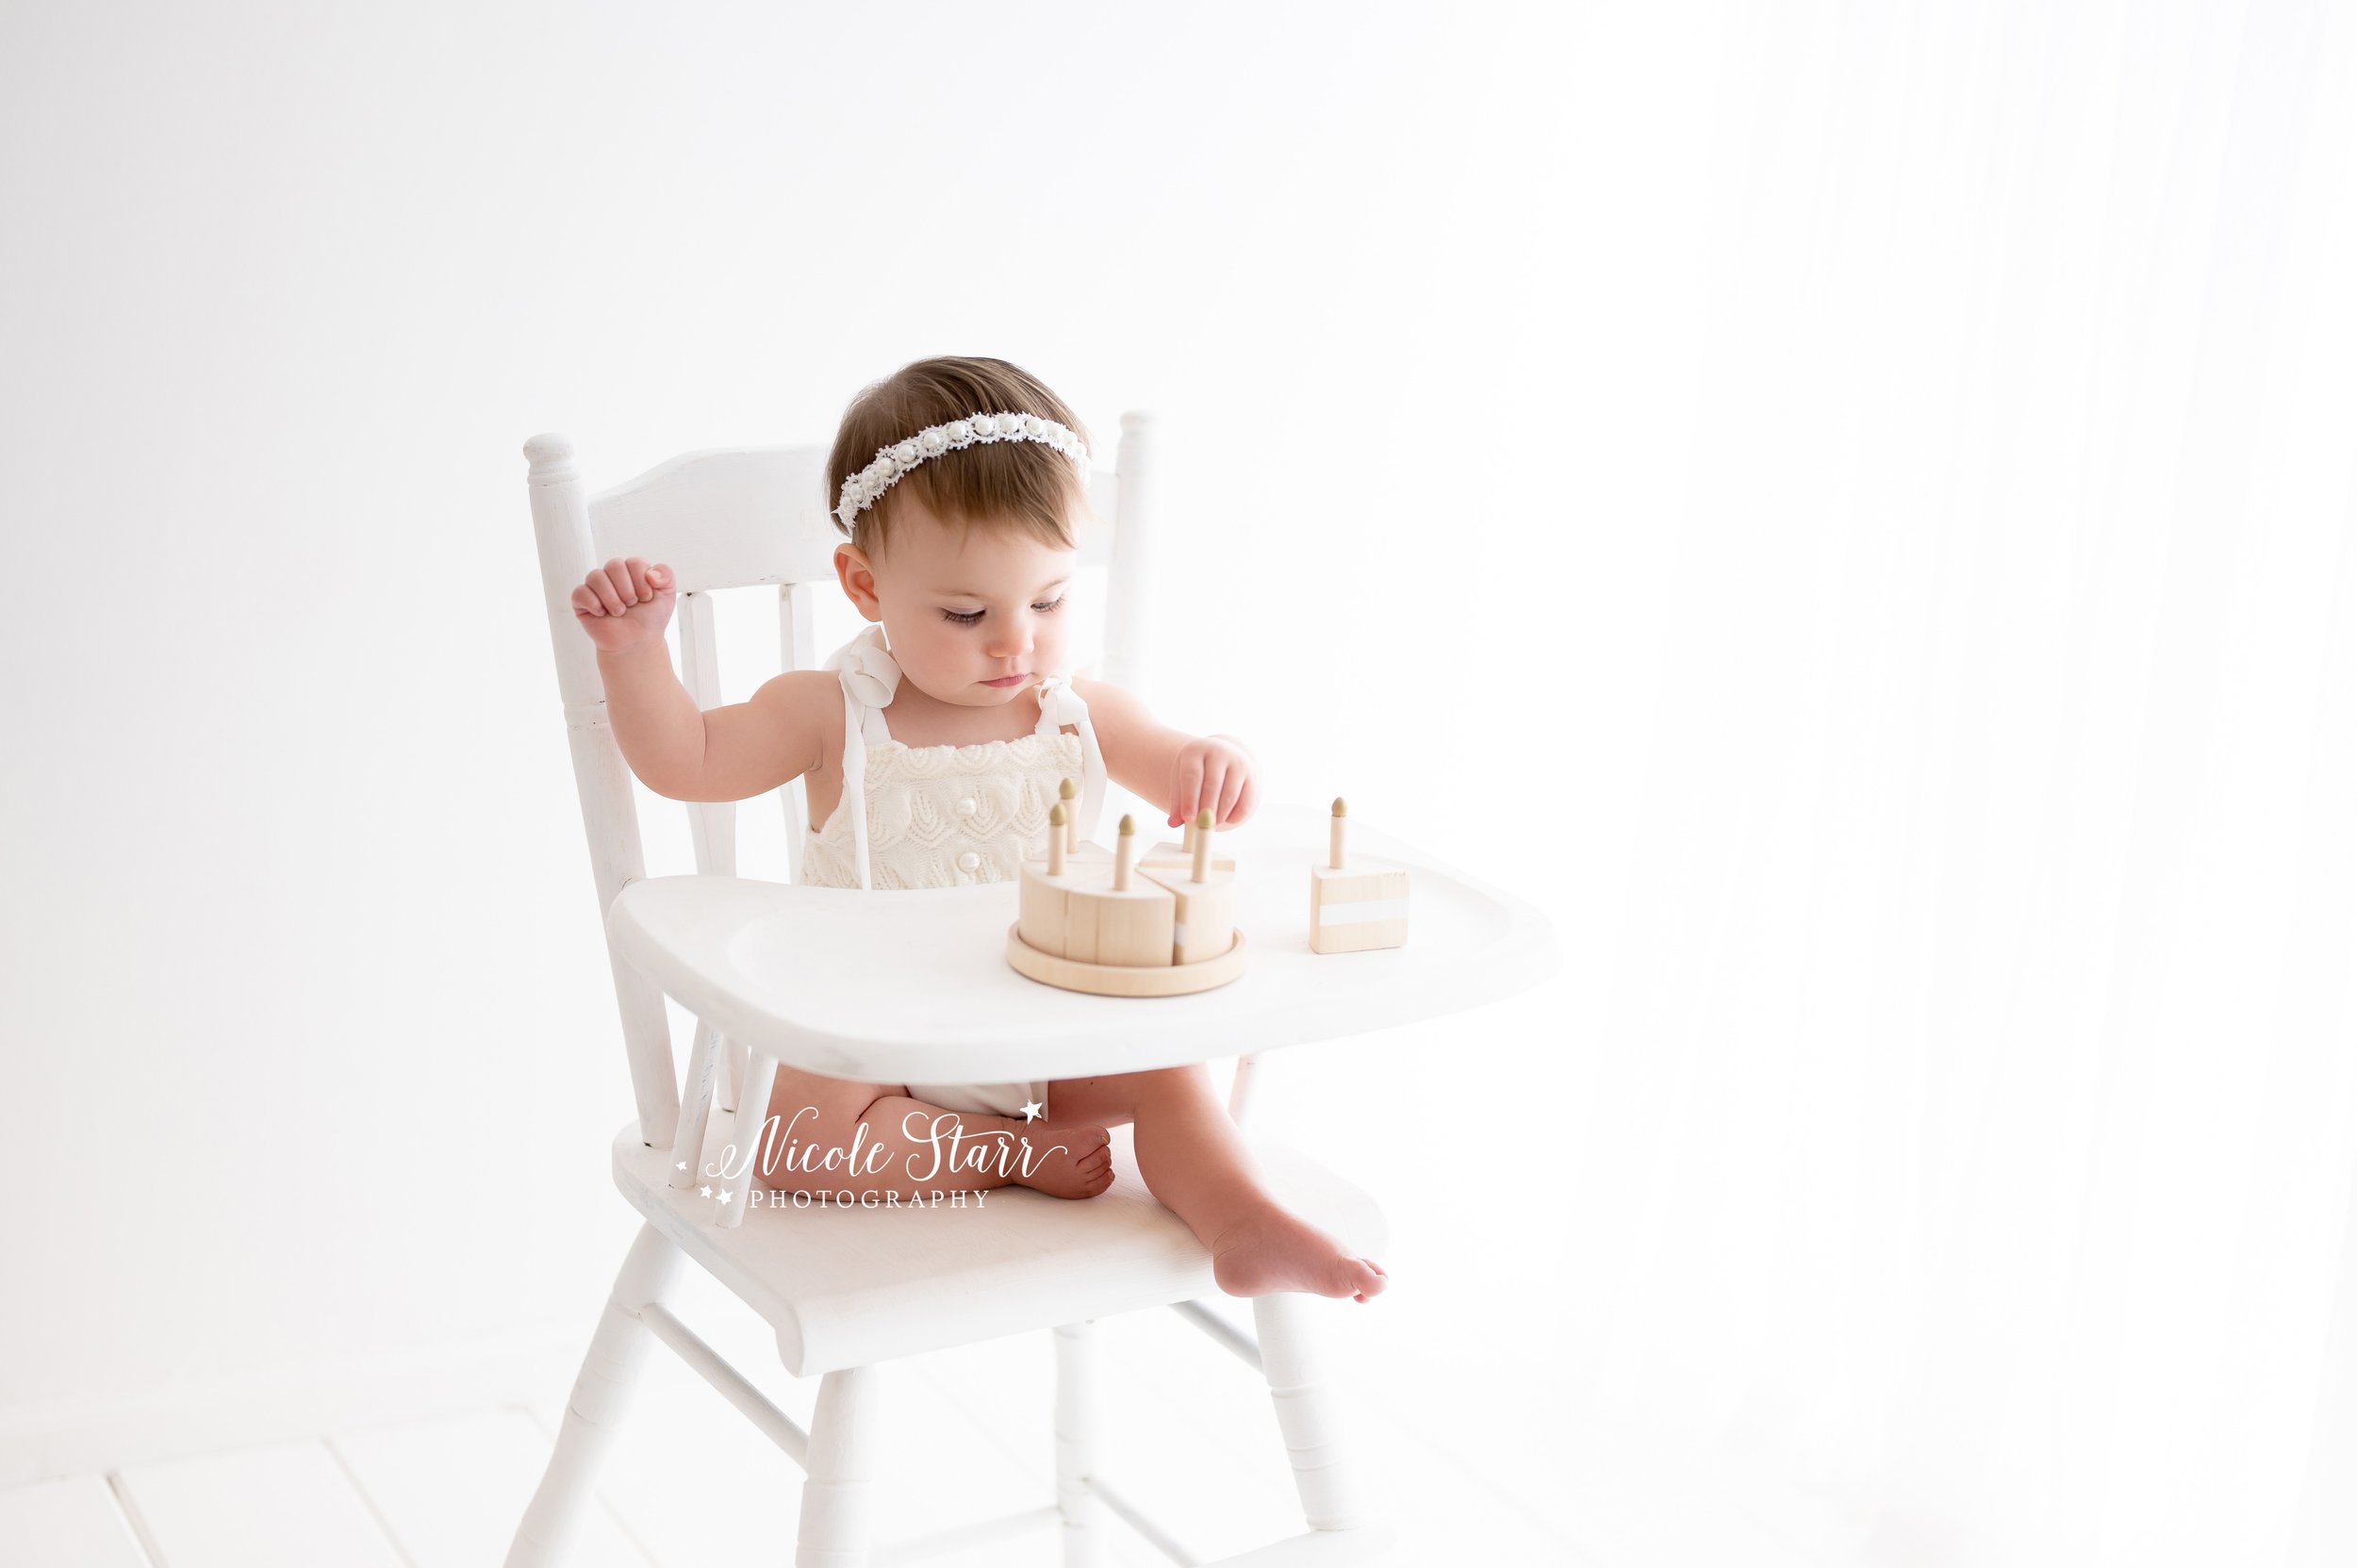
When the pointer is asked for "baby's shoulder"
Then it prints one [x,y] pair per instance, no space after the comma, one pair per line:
[1103,695]
[802,688]
[803,702]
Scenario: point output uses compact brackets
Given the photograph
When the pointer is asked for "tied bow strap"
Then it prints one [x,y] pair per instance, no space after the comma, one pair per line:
[869,675]
[1059,705]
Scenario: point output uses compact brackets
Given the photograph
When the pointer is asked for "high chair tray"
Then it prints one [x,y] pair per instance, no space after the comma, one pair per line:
[913,987]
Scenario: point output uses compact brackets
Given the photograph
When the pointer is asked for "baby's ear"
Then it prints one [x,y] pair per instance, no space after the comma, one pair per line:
[857,575]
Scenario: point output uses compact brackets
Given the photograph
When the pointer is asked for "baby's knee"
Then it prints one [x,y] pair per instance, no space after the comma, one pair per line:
[1191,1074]
[814,1099]
[803,1149]
[813,1128]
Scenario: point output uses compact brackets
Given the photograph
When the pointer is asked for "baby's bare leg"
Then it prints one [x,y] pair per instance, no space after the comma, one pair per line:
[834,1135]
[1193,1159]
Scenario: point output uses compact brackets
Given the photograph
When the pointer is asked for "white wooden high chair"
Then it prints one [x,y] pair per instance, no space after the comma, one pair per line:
[773,972]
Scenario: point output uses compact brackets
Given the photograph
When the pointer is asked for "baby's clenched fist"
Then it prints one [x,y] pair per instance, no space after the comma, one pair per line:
[624,605]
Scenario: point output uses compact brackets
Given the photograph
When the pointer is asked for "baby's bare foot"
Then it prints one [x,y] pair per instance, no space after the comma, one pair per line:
[1269,1250]
[1082,1166]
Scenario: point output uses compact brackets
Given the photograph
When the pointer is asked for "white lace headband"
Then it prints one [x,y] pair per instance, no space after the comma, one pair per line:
[861,489]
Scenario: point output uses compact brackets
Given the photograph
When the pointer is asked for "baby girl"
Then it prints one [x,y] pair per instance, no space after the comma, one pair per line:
[932,747]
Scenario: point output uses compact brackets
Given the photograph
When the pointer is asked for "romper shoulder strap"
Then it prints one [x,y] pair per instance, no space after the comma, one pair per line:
[869,675]
[1059,705]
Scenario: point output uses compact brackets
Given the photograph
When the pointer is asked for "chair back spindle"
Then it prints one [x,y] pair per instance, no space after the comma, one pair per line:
[798,626]
[711,824]
[1129,591]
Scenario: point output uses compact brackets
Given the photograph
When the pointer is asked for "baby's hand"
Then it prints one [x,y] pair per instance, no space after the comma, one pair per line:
[1214,772]
[624,605]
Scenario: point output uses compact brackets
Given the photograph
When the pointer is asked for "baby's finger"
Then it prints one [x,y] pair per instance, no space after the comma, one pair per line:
[1244,802]
[1187,787]
[1230,791]
[618,577]
[640,583]
[1214,771]
[601,584]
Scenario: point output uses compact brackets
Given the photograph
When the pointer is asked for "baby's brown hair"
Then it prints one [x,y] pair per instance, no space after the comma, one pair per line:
[1020,485]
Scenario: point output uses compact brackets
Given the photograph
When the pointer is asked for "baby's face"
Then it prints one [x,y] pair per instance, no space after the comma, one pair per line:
[974,615]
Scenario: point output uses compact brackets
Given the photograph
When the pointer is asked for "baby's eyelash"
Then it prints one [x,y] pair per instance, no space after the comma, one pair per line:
[967,618]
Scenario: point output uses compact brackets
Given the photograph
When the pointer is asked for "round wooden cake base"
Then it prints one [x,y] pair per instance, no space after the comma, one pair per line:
[1122,979]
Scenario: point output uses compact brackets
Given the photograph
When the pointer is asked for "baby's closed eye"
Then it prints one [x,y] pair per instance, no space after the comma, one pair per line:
[967,618]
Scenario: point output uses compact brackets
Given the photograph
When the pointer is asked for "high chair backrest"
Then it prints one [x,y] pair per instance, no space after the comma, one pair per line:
[740,518]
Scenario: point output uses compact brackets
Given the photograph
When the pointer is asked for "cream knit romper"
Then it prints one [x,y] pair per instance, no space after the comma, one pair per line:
[947,816]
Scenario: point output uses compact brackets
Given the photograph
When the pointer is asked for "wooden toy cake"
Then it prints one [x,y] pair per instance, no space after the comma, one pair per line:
[1124,929]
[1183,854]
[1355,908]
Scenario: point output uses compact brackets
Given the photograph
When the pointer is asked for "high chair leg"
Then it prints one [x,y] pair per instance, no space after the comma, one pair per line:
[1309,1412]
[1077,1358]
[601,1398]
[846,1442]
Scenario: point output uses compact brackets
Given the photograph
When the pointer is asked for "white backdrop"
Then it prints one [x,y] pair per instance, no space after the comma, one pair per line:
[1847,505]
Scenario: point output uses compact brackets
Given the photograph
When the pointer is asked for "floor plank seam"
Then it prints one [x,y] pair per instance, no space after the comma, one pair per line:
[367,1501]
[128,1509]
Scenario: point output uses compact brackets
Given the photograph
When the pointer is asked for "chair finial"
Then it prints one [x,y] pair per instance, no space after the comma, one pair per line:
[551,455]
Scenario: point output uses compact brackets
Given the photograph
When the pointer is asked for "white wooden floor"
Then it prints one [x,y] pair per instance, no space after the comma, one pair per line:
[1190,1436]
[692,1483]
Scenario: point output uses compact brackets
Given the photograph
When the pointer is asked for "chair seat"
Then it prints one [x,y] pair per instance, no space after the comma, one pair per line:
[847,1286]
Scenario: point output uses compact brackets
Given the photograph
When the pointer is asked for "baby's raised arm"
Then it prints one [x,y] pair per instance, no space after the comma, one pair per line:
[679,752]
[1179,773]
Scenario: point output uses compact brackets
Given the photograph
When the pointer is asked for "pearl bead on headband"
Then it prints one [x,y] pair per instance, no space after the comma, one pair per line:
[864,488]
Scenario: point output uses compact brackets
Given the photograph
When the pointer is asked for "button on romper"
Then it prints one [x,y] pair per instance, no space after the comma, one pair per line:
[947,816]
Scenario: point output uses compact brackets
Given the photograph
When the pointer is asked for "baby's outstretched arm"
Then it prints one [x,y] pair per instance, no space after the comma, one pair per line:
[1181,774]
